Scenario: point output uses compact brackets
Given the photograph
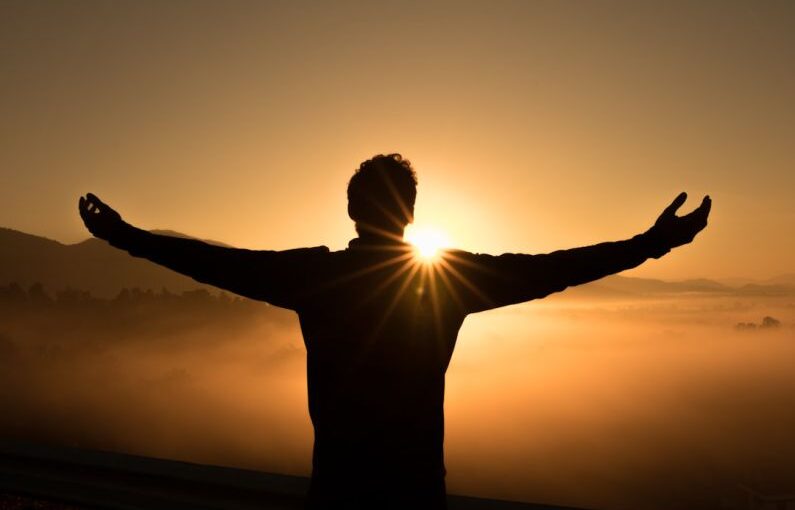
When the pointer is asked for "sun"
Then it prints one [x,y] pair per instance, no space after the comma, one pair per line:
[427,241]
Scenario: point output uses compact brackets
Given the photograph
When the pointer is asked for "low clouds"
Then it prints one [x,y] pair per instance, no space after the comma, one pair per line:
[643,405]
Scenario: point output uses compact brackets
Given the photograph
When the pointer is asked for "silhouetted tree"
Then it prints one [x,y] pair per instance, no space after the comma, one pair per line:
[72,297]
[123,297]
[13,293]
[38,296]
[770,322]
[745,326]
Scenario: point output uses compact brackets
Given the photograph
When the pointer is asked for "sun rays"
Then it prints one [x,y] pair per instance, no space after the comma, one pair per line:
[424,265]
[417,272]
[427,242]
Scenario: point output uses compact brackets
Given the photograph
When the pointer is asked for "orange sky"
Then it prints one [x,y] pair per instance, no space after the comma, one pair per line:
[532,125]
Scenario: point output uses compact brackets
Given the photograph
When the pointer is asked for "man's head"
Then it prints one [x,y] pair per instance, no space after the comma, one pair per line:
[381,195]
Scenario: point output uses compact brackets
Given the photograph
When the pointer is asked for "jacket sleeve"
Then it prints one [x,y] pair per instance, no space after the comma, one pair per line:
[482,282]
[277,277]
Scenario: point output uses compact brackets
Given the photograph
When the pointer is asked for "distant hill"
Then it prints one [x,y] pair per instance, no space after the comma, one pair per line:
[634,286]
[783,279]
[91,265]
[618,287]
[95,266]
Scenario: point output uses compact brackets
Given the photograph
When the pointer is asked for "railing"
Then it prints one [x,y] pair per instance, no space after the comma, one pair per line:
[128,482]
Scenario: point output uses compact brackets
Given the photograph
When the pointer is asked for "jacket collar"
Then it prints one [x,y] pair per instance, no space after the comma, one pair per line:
[377,243]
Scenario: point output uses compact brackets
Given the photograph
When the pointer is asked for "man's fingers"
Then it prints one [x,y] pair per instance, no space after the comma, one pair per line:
[697,220]
[86,207]
[705,206]
[93,205]
[98,205]
[703,210]
[676,204]
[89,206]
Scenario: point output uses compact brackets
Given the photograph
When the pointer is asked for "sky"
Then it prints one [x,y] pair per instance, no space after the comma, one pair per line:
[533,126]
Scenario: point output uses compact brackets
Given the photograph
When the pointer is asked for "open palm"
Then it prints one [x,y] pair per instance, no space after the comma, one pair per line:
[100,219]
[670,230]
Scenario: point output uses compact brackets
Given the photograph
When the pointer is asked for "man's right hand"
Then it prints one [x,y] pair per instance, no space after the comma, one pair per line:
[100,219]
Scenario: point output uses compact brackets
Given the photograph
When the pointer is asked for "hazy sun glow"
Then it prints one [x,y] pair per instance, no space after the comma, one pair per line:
[427,241]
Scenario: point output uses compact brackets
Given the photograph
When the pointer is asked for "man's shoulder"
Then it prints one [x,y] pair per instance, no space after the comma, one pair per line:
[453,255]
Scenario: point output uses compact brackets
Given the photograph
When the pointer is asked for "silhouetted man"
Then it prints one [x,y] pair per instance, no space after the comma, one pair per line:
[380,324]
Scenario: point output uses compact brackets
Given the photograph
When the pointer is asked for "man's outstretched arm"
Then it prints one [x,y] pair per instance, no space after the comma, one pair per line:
[265,275]
[492,281]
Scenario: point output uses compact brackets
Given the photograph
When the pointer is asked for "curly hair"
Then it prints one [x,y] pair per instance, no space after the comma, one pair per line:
[382,192]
